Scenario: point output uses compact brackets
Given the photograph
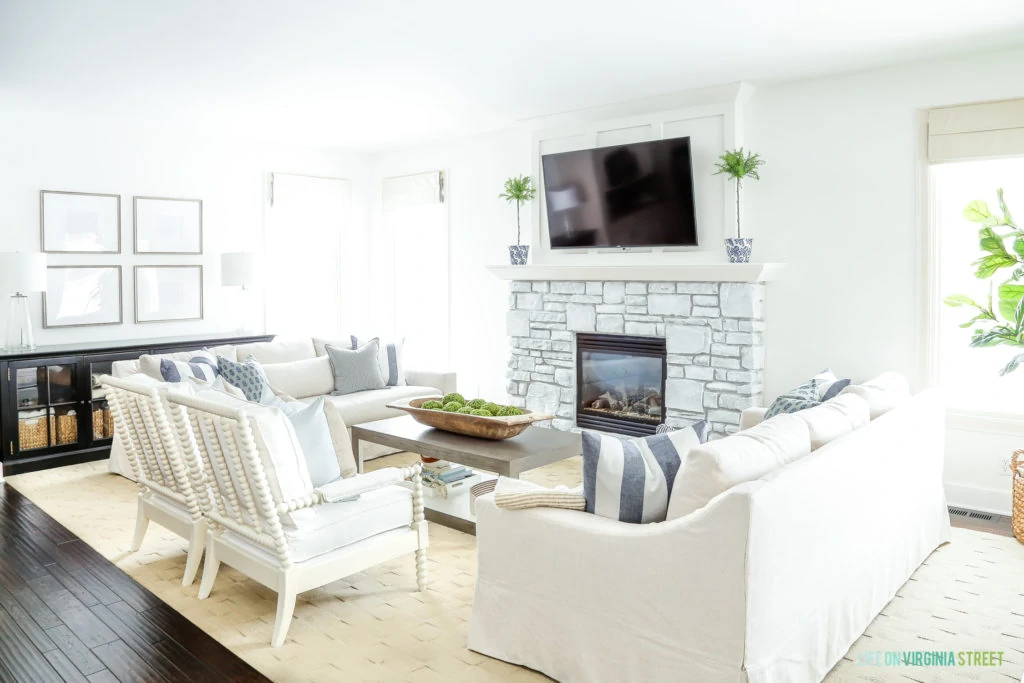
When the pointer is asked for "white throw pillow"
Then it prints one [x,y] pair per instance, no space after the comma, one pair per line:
[835,418]
[301,378]
[717,466]
[883,393]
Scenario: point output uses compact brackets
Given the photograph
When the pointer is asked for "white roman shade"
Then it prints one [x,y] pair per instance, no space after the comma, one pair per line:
[419,189]
[976,131]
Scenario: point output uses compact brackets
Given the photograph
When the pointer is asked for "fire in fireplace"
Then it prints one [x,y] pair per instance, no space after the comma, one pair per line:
[620,383]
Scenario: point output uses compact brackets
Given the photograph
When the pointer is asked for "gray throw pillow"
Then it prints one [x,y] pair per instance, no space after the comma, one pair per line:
[355,369]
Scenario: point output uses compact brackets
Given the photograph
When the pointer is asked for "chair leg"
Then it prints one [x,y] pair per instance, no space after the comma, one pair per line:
[285,609]
[210,568]
[195,552]
[421,569]
[141,525]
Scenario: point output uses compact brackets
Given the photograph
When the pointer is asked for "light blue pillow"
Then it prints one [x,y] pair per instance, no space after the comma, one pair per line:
[314,434]
[247,376]
[793,401]
[631,479]
[355,370]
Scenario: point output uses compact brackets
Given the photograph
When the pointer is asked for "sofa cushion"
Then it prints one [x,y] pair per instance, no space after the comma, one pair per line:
[355,369]
[368,406]
[883,393]
[149,364]
[278,351]
[200,366]
[717,466]
[630,479]
[832,419]
[301,378]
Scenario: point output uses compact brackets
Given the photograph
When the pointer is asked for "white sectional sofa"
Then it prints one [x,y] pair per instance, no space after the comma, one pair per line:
[296,369]
[770,581]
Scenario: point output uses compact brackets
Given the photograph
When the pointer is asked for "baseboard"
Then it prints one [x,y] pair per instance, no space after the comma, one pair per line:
[994,501]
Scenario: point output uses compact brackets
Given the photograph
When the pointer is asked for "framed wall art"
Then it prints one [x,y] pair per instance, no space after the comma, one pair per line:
[79,222]
[164,225]
[79,296]
[168,293]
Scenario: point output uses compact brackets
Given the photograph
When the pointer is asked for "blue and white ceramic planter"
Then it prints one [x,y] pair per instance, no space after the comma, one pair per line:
[738,249]
[518,253]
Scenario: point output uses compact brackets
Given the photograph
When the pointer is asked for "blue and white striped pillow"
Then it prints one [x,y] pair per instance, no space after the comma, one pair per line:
[630,480]
[390,360]
[203,367]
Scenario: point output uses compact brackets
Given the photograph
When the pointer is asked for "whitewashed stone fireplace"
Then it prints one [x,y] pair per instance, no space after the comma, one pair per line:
[713,332]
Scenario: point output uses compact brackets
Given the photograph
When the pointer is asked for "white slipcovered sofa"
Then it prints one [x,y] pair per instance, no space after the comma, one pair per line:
[299,369]
[770,581]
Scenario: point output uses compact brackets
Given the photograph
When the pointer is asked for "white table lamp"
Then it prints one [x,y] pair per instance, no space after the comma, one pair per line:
[239,269]
[21,273]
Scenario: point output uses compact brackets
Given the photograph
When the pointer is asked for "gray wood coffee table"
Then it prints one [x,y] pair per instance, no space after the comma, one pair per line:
[534,448]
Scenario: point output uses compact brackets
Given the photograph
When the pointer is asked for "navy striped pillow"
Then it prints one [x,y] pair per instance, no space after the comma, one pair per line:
[630,480]
[198,367]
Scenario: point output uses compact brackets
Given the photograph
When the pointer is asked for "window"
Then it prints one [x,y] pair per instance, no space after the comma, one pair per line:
[970,376]
[974,150]
[305,227]
[413,260]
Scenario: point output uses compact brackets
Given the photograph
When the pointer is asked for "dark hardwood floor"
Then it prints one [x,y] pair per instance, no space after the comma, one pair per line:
[69,614]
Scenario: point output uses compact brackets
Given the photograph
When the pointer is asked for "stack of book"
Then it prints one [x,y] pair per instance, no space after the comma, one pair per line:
[444,474]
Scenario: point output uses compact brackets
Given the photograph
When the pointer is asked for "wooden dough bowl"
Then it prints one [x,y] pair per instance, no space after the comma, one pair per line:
[494,428]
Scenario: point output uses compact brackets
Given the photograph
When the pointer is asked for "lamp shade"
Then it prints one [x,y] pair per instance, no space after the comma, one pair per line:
[22,272]
[237,269]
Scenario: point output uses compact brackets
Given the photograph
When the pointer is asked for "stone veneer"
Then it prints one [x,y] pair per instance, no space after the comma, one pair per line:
[714,333]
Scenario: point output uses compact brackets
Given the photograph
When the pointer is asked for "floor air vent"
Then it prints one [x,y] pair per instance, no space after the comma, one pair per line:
[971,514]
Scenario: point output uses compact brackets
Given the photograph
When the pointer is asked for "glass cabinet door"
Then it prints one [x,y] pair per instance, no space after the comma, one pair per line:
[102,420]
[49,405]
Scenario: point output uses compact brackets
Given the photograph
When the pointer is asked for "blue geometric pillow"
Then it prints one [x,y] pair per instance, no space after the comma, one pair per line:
[793,401]
[247,376]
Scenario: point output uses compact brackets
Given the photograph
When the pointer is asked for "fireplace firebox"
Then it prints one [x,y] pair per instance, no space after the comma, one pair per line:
[620,383]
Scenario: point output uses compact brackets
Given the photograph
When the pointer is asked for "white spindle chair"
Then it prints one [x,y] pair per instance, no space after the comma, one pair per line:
[167,481]
[246,527]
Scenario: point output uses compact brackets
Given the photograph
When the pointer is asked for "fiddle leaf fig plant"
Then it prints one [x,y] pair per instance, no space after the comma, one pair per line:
[519,189]
[999,321]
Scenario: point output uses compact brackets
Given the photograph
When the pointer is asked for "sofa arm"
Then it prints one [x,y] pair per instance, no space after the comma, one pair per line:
[669,595]
[751,417]
[442,381]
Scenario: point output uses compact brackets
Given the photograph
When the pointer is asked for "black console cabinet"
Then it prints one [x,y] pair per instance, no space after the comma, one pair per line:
[52,409]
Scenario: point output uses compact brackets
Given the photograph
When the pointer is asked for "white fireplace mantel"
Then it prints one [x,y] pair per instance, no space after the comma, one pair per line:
[712,272]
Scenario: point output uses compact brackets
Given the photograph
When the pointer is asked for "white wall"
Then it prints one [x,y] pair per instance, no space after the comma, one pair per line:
[481,226]
[838,202]
[69,150]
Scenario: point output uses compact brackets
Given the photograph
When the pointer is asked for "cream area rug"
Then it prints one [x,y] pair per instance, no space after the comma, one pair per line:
[375,626]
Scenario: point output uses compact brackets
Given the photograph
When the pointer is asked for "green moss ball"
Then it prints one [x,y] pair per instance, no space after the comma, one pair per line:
[465,410]
[492,408]
[481,412]
[477,403]
[509,411]
[456,397]
[452,407]
[432,405]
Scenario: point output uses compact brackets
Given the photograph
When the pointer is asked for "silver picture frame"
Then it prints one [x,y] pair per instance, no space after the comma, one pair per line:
[168,293]
[79,222]
[93,297]
[167,225]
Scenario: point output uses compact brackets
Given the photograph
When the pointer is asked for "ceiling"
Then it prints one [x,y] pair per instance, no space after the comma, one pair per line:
[379,73]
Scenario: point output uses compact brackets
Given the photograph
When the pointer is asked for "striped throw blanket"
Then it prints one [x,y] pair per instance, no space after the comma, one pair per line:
[516,494]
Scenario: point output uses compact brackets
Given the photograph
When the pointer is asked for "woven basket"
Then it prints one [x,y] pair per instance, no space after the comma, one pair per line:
[32,433]
[67,429]
[98,426]
[1018,495]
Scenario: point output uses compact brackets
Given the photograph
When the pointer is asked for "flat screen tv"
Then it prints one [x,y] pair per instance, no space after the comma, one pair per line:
[637,195]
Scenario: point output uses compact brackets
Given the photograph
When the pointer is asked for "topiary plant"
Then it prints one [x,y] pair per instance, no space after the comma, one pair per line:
[739,165]
[1002,324]
[519,189]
